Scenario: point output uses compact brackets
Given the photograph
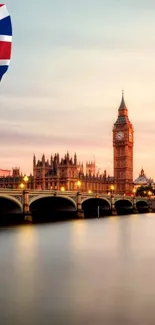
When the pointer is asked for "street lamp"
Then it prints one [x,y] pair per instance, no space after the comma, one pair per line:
[78,184]
[135,210]
[25,179]
[134,191]
[112,187]
[149,201]
[113,209]
[62,189]
[89,191]
[22,186]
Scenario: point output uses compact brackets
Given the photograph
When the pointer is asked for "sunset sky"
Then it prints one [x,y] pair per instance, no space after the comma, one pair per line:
[70,61]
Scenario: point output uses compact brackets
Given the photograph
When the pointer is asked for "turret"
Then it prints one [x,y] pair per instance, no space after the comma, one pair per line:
[51,160]
[34,161]
[75,159]
[43,159]
[67,157]
[91,167]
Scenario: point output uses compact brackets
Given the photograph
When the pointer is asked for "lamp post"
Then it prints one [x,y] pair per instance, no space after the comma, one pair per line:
[80,212]
[113,209]
[149,201]
[135,210]
[62,189]
[112,187]
[26,210]
[25,179]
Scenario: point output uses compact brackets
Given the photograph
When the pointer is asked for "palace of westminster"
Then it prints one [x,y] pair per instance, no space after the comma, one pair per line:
[67,174]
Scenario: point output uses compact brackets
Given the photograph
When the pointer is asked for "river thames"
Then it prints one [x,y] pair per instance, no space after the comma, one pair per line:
[95,272]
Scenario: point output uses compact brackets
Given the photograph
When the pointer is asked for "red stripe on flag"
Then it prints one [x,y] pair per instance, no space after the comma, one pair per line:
[1,5]
[5,50]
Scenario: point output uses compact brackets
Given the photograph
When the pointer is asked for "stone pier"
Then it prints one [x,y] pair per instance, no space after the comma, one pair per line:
[26,209]
[135,210]
[80,212]
[113,209]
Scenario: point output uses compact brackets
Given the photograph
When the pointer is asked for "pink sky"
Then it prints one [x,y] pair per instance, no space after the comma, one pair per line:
[63,87]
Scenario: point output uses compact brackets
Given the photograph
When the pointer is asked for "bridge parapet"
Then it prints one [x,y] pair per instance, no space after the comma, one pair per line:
[26,197]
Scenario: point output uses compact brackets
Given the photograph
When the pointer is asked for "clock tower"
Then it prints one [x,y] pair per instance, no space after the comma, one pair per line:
[123,151]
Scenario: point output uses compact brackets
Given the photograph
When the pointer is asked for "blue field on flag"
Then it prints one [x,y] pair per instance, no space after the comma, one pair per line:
[5,39]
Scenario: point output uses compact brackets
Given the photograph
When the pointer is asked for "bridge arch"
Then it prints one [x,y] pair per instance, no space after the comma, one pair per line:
[124,206]
[142,205]
[35,198]
[124,199]
[52,207]
[92,197]
[141,200]
[96,207]
[13,199]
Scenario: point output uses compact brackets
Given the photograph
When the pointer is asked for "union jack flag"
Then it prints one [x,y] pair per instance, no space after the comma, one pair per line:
[5,39]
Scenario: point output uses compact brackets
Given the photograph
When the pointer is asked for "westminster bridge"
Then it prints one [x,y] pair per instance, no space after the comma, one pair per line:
[31,202]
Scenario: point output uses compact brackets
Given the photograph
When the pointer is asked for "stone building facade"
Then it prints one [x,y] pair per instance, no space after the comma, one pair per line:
[14,180]
[68,174]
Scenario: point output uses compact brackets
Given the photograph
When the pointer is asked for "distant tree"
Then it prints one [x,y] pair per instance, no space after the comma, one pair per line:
[144,190]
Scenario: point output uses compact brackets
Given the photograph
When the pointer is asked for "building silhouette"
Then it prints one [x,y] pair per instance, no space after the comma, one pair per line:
[143,180]
[123,139]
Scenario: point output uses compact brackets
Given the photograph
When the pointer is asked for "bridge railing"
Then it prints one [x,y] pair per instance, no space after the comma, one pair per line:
[71,193]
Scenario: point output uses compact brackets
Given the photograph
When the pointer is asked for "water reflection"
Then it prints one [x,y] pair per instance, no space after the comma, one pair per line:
[24,272]
[78,234]
[92,272]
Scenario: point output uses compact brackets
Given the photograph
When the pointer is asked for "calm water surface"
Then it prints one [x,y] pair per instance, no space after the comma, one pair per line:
[95,272]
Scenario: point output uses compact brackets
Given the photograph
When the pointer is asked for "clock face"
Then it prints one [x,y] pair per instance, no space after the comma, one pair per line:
[119,135]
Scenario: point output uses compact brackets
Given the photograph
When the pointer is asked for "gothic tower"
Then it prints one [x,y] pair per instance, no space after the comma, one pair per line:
[123,151]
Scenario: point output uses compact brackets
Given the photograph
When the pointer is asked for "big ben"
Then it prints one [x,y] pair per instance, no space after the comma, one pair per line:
[123,151]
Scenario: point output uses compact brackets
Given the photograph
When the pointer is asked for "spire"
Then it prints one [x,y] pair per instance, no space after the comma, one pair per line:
[34,160]
[75,159]
[122,112]
[122,104]
[142,172]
